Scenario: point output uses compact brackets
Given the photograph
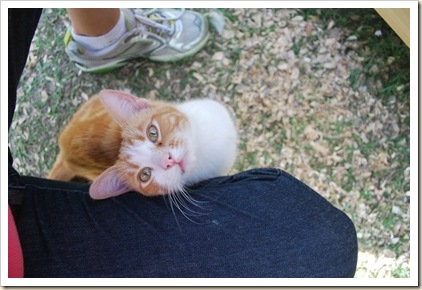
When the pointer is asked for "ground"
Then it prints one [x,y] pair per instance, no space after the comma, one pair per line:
[322,94]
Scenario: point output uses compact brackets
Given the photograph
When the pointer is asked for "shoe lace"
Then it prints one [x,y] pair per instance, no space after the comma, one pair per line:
[151,18]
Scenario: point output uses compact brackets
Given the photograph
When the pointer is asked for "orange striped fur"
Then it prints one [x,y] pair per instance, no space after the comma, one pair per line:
[92,141]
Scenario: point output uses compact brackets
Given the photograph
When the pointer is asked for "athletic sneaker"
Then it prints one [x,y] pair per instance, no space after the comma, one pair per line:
[159,34]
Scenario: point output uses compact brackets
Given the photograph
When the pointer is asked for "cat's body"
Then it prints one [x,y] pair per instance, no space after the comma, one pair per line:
[123,143]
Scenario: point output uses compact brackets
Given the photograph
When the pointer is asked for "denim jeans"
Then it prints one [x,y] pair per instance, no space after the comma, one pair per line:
[258,223]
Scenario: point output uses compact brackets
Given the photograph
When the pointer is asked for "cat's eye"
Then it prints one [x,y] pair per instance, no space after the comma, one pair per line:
[145,174]
[152,133]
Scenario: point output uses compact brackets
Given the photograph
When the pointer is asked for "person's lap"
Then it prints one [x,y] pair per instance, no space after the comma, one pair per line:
[259,223]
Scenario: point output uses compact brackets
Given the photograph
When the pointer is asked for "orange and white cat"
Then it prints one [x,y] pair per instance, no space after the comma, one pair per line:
[124,143]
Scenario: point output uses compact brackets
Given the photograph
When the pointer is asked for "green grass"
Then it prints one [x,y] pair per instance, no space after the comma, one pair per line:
[400,272]
[228,14]
[365,194]
[363,23]
[297,45]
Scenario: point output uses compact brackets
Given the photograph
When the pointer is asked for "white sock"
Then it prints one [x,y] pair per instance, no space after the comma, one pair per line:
[94,43]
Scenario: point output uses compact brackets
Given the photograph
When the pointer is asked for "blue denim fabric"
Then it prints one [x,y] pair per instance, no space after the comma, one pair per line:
[258,223]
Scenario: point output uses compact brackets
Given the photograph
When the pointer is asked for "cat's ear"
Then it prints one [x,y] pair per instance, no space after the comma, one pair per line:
[122,106]
[108,184]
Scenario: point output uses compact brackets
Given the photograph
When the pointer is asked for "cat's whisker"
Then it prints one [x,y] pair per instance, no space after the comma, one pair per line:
[192,200]
[184,201]
[177,200]
[172,209]
[173,201]
[187,210]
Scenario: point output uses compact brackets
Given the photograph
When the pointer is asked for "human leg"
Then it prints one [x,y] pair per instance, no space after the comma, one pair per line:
[93,21]
[259,223]
[158,34]
[21,27]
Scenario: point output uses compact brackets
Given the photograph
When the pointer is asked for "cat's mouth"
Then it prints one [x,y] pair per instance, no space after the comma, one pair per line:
[182,164]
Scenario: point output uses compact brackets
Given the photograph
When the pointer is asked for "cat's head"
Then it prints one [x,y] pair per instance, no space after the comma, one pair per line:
[155,152]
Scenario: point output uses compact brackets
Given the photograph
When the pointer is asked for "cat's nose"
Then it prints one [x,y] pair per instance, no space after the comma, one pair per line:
[167,162]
